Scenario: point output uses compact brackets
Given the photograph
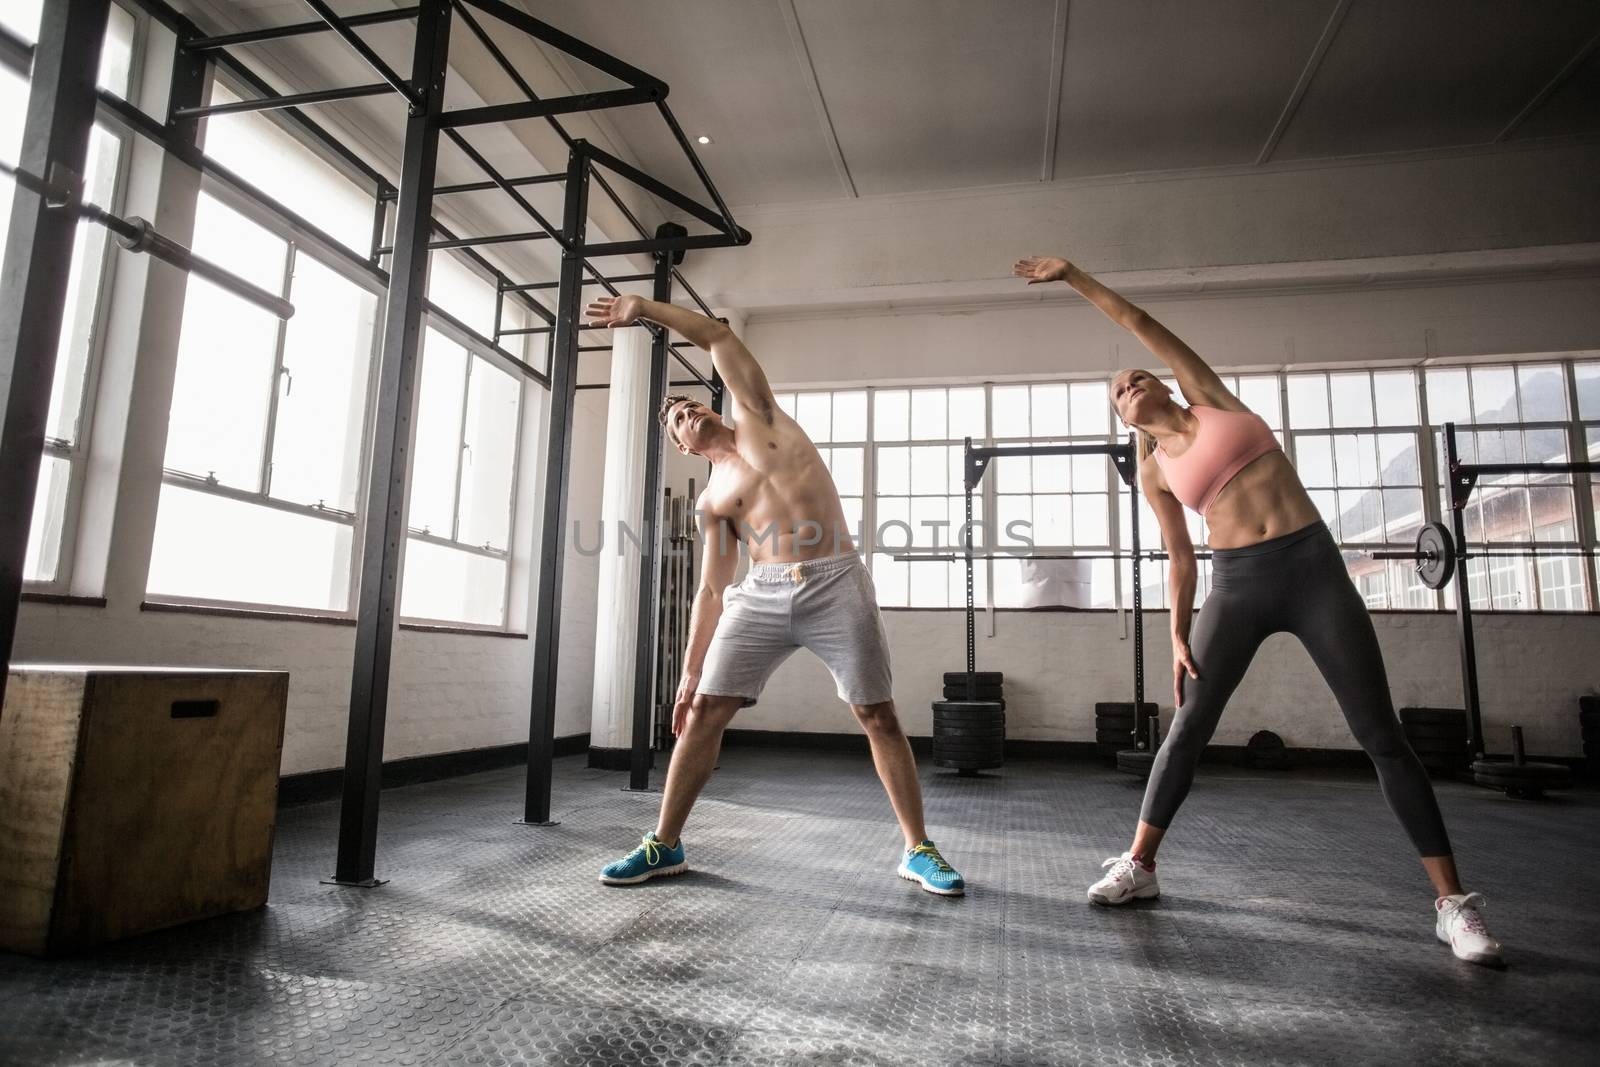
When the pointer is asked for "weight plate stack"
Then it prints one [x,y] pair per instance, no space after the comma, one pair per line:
[1114,725]
[1439,738]
[988,688]
[1524,780]
[1135,762]
[1589,720]
[968,735]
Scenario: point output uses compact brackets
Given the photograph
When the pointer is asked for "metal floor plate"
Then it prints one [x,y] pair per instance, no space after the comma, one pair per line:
[1294,927]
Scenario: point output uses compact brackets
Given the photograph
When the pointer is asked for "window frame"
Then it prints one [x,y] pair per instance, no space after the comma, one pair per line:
[475,350]
[296,242]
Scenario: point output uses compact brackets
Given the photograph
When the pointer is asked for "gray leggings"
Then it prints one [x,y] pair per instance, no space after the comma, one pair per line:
[1293,584]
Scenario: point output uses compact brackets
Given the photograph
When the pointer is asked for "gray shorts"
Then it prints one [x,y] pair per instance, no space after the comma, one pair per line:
[826,605]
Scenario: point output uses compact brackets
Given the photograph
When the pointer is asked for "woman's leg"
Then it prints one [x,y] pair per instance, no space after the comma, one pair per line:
[1333,623]
[1230,627]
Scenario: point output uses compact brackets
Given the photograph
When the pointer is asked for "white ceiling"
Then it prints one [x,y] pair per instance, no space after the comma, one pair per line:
[813,100]
[944,94]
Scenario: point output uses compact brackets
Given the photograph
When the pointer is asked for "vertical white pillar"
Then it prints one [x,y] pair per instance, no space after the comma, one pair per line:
[630,426]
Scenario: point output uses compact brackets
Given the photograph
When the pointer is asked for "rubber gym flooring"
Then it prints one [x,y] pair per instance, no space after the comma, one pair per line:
[1295,928]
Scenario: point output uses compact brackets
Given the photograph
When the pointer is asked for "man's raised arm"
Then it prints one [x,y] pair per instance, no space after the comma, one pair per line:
[742,375]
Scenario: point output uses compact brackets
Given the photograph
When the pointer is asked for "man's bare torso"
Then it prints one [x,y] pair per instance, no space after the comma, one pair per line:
[776,495]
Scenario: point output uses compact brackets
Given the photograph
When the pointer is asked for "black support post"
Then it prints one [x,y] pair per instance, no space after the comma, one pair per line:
[650,541]
[553,542]
[33,285]
[384,521]
[1469,653]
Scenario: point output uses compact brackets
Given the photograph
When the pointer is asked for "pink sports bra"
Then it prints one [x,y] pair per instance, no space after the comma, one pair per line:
[1226,443]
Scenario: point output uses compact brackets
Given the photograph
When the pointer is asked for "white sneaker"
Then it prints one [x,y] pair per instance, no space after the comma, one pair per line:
[1126,880]
[1461,927]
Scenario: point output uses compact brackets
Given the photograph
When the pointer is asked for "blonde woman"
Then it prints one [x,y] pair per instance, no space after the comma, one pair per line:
[1275,569]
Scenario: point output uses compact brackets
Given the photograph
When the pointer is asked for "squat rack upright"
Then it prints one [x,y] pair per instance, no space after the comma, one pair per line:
[63,106]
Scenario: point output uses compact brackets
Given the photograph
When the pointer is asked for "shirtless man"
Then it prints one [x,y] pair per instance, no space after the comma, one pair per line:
[806,587]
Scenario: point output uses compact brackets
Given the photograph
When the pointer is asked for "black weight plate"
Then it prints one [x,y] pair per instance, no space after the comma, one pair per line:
[1507,775]
[1436,556]
[969,733]
[963,705]
[1135,762]
[985,693]
[1123,737]
[1589,705]
[969,765]
[978,714]
[1416,729]
[983,677]
[1432,716]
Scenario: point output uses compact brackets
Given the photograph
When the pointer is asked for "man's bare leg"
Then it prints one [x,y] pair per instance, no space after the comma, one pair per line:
[897,767]
[693,759]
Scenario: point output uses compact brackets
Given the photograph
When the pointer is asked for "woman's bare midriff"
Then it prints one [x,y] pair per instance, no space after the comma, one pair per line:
[1263,501]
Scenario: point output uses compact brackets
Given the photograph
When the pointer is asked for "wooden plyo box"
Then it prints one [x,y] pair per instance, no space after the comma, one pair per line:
[134,798]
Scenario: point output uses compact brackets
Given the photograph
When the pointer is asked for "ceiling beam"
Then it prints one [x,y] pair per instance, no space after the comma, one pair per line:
[1550,87]
[1052,111]
[1329,32]
[808,73]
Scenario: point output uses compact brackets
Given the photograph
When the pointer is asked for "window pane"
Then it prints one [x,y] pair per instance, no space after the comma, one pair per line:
[1049,408]
[327,351]
[49,516]
[786,403]
[930,522]
[460,290]
[1397,459]
[437,452]
[488,463]
[1260,394]
[1544,393]
[1089,472]
[1012,474]
[451,585]
[21,17]
[813,413]
[83,292]
[1052,474]
[966,413]
[1091,410]
[1010,409]
[850,416]
[1396,396]
[929,469]
[1013,523]
[1351,395]
[1052,519]
[1091,519]
[213,548]
[1554,517]
[1402,515]
[221,393]
[1447,397]
[928,421]
[846,467]
[894,531]
[1588,382]
[890,417]
[894,470]
[1494,394]
[890,577]
[1308,401]
[272,158]
[1313,456]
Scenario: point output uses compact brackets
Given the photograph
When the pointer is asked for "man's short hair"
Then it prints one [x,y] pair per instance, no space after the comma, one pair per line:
[666,409]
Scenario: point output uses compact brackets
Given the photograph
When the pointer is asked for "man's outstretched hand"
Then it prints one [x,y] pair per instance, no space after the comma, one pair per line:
[613,311]
[1041,269]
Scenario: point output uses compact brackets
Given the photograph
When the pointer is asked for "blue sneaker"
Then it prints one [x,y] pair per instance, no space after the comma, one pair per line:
[650,860]
[924,865]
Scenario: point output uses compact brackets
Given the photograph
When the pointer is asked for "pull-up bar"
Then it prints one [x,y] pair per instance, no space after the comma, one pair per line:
[137,235]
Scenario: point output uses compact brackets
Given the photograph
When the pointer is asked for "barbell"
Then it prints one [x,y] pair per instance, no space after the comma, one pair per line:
[1435,554]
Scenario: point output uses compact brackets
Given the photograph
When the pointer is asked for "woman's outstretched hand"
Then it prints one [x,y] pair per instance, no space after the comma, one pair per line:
[1041,269]
[613,311]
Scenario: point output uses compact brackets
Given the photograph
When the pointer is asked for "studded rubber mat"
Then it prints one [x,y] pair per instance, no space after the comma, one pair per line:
[1294,927]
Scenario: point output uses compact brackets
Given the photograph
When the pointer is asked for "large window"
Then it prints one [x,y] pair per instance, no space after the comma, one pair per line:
[1355,444]
[61,467]
[463,476]
[1366,444]
[264,436]
[1514,414]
